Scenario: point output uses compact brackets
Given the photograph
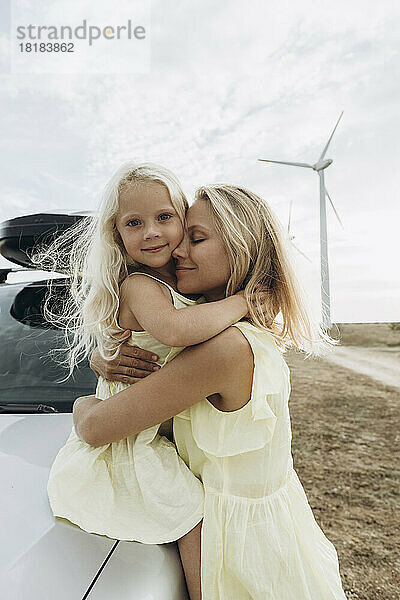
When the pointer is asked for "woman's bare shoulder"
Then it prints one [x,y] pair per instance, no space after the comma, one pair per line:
[230,359]
[231,345]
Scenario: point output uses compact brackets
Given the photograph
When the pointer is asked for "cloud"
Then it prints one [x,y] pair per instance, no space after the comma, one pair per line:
[231,83]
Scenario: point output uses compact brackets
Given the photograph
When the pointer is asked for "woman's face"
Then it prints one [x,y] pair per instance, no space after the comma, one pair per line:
[202,264]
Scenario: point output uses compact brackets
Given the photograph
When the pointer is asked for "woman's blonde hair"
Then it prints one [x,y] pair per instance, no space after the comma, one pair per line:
[93,255]
[259,253]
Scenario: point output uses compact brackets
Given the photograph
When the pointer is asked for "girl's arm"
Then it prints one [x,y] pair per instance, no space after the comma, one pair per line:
[150,303]
[222,365]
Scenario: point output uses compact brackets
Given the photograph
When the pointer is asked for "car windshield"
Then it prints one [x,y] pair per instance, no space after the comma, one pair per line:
[29,373]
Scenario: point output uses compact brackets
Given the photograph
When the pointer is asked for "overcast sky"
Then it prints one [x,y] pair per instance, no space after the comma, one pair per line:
[230,82]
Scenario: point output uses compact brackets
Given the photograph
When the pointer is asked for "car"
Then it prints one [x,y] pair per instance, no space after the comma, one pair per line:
[42,557]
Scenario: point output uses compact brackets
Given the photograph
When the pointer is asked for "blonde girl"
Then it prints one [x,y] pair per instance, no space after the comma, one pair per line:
[229,399]
[123,277]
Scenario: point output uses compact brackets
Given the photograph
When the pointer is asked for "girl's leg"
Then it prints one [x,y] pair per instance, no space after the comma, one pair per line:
[190,550]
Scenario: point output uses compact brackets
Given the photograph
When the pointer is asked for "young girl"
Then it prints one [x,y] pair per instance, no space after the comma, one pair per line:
[229,399]
[123,277]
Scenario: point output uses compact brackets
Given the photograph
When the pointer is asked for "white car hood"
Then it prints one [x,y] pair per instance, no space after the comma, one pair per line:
[42,557]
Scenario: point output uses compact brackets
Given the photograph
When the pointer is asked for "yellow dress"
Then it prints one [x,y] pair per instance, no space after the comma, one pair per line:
[135,489]
[260,540]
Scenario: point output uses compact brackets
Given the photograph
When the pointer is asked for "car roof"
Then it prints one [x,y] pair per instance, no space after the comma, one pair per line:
[19,235]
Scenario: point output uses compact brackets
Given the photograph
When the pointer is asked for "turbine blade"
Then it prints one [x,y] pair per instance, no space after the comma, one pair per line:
[329,141]
[333,206]
[290,217]
[281,162]
[302,253]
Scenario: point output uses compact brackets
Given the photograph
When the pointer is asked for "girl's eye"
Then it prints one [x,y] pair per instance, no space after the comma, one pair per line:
[197,241]
[133,222]
[166,215]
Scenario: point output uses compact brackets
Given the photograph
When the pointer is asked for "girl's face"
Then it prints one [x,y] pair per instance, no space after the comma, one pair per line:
[148,224]
[202,264]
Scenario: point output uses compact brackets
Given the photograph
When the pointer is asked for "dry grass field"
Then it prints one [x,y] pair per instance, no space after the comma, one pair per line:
[346,452]
[367,334]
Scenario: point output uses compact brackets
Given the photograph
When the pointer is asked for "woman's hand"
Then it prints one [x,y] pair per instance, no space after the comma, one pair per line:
[131,365]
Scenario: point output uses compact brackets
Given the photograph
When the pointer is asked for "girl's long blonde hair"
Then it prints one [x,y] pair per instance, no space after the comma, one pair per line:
[93,255]
[260,259]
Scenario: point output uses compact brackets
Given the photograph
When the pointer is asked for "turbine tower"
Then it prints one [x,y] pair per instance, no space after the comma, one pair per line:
[291,236]
[320,166]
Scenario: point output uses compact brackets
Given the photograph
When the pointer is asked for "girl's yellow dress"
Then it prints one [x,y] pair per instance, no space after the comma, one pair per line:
[259,538]
[135,489]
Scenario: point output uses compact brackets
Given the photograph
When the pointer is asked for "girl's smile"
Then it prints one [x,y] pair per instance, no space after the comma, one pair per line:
[154,248]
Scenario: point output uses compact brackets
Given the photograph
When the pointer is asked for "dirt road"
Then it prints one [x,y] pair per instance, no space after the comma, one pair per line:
[382,364]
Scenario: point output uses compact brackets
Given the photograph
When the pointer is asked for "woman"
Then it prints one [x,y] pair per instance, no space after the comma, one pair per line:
[229,399]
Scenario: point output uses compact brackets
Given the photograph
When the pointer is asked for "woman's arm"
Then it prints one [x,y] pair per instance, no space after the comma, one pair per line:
[221,365]
[150,303]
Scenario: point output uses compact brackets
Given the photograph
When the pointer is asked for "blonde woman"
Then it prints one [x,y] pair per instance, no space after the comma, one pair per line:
[229,399]
[123,276]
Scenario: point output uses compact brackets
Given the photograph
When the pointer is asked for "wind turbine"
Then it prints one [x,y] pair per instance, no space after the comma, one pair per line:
[291,237]
[320,166]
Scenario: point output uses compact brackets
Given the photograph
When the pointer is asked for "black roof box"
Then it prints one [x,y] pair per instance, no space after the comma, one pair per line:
[19,235]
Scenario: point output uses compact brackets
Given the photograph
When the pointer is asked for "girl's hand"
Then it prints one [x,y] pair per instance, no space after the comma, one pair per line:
[241,294]
[131,365]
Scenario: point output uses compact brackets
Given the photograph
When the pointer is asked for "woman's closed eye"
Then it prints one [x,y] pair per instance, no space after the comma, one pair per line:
[197,241]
